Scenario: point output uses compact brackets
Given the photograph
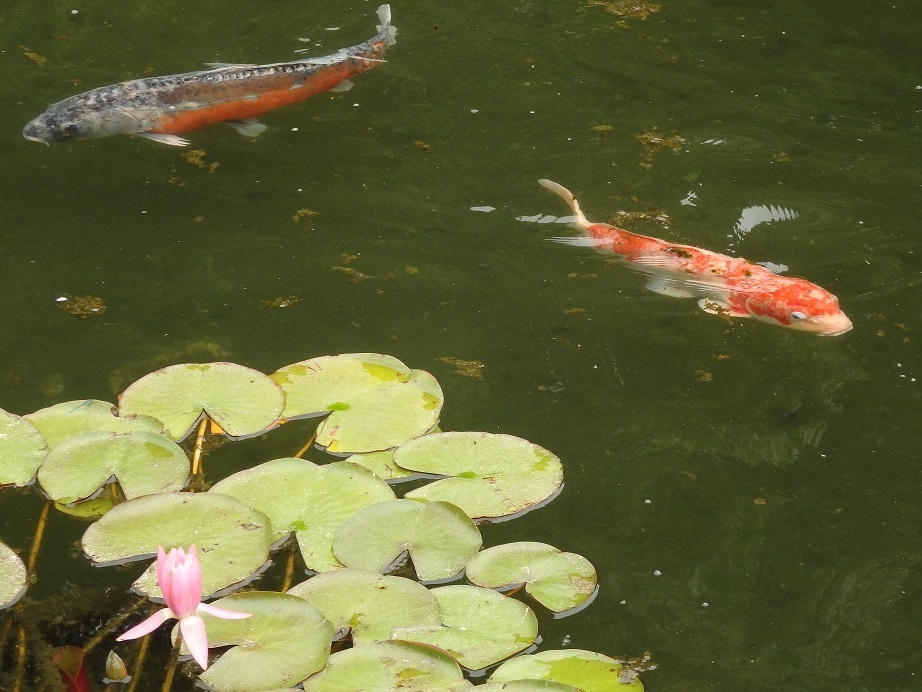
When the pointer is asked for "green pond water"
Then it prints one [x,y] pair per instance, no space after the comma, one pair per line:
[748,495]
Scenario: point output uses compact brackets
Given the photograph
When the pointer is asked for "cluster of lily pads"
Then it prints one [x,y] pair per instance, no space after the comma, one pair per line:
[124,465]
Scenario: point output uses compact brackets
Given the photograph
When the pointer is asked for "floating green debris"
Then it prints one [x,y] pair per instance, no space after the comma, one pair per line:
[232,539]
[243,402]
[308,499]
[479,627]
[12,577]
[494,475]
[389,666]
[558,581]
[286,640]
[22,449]
[141,462]
[439,537]
[368,604]
[82,306]
[375,402]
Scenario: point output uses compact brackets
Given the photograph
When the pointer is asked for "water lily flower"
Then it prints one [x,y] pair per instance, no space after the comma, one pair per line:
[180,579]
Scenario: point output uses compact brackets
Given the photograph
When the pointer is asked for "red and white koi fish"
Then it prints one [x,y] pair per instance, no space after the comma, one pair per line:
[160,108]
[725,285]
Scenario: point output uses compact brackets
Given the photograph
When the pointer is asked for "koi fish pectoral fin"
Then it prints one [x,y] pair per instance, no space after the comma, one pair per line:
[170,140]
[248,127]
[344,85]
[668,288]
[718,307]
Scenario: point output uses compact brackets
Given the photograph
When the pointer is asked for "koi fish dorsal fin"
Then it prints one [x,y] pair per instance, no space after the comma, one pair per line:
[581,220]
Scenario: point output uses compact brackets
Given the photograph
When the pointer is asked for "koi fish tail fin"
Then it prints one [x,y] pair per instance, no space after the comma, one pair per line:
[581,221]
[385,27]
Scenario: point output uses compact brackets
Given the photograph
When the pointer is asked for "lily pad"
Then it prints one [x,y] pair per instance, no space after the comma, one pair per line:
[586,670]
[369,604]
[232,539]
[243,402]
[494,475]
[558,581]
[12,577]
[389,667]
[141,462]
[439,537]
[527,686]
[308,499]
[479,627]
[375,402]
[382,464]
[285,641]
[22,449]
[71,418]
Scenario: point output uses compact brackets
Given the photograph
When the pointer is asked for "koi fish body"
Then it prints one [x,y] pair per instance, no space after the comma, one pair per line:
[724,285]
[160,108]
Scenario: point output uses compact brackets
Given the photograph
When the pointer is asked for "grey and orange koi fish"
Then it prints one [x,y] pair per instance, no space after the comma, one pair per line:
[725,285]
[161,108]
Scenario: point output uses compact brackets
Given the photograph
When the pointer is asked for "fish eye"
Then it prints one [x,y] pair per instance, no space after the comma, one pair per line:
[798,316]
[71,129]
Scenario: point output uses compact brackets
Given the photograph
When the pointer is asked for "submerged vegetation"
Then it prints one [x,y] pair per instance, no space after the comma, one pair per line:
[378,561]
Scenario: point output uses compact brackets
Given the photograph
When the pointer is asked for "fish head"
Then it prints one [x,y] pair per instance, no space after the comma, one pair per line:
[802,306]
[85,116]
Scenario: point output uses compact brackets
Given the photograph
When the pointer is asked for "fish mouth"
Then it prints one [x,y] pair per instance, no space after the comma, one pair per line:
[33,133]
[838,327]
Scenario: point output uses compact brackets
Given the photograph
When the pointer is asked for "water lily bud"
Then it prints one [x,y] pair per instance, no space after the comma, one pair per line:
[115,669]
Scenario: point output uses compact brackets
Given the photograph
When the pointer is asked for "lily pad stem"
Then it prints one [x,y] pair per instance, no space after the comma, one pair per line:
[37,541]
[199,441]
[307,446]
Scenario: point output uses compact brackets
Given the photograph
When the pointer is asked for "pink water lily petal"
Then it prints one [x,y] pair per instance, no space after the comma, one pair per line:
[148,626]
[223,612]
[193,633]
[181,580]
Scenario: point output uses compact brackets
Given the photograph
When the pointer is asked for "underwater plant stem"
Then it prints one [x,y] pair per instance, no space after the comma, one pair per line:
[37,541]
[307,445]
[199,441]
[171,669]
[139,665]
[20,659]
[113,624]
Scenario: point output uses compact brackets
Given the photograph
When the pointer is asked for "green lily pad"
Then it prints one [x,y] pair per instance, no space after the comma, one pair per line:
[141,462]
[494,475]
[439,537]
[88,509]
[22,449]
[285,641]
[558,581]
[308,499]
[479,627]
[12,577]
[71,418]
[389,667]
[586,670]
[232,539]
[242,401]
[527,686]
[369,604]
[375,402]
[382,464]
